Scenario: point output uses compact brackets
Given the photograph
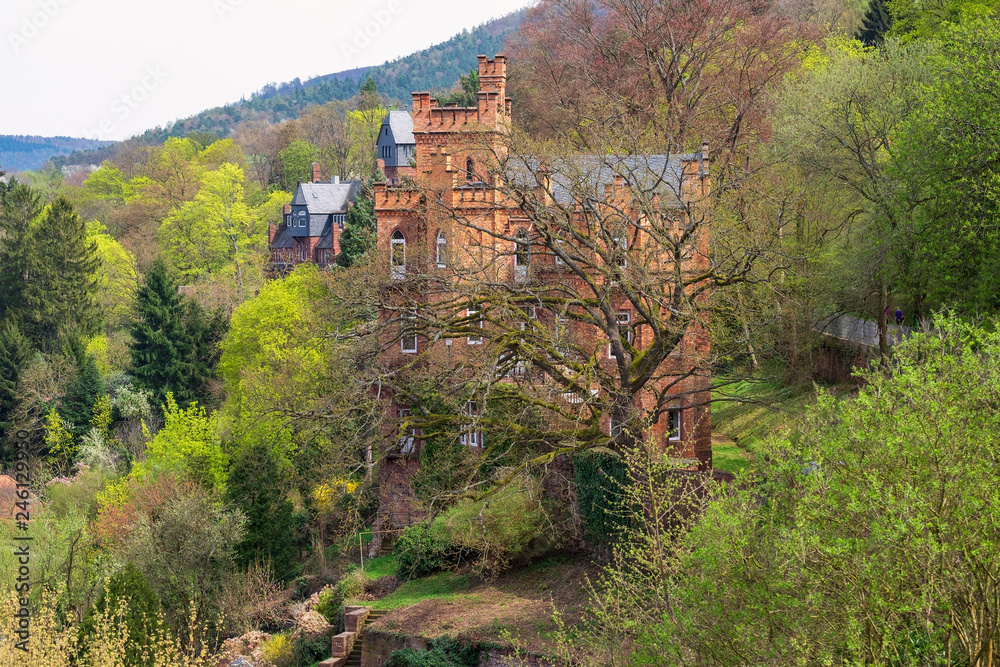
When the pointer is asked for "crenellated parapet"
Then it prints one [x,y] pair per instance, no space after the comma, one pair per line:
[491,111]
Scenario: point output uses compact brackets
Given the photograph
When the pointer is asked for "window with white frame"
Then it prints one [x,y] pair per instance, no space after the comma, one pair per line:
[408,440]
[673,424]
[522,255]
[471,313]
[302,218]
[624,326]
[397,255]
[441,253]
[408,340]
[471,436]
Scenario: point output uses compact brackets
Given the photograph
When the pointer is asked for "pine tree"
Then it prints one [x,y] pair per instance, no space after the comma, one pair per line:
[20,209]
[205,332]
[61,294]
[15,351]
[82,392]
[160,348]
[359,230]
[876,23]
[255,485]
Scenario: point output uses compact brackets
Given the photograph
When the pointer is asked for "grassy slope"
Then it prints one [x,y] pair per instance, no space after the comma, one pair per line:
[519,603]
[748,412]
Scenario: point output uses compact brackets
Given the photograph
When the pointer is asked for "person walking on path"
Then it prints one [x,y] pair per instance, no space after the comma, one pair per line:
[899,317]
[888,315]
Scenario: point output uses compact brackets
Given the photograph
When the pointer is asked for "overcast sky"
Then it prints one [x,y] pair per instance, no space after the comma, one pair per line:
[115,68]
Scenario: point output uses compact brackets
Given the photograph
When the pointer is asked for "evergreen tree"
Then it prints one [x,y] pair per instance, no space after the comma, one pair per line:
[160,348]
[61,294]
[256,486]
[19,212]
[469,96]
[359,230]
[82,392]
[15,351]
[876,23]
[205,332]
[141,615]
[369,85]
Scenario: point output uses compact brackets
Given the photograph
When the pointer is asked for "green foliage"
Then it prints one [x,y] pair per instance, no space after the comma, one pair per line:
[421,550]
[875,23]
[468,97]
[59,441]
[141,610]
[359,230]
[82,393]
[508,525]
[948,254]
[15,351]
[117,279]
[867,535]
[160,349]
[184,545]
[187,443]
[258,486]
[62,294]
[18,217]
[296,163]
[174,346]
[600,478]
[216,232]
[442,652]
[279,651]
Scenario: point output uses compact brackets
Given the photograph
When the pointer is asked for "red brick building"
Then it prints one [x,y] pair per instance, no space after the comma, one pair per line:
[464,219]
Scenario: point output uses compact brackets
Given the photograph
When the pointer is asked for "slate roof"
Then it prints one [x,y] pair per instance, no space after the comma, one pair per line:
[585,176]
[326,198]
[401,124]
[283,239]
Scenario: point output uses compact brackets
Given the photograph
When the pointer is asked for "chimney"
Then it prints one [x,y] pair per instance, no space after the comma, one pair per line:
[316,177]
[335,180]
[703,159]
[271,233]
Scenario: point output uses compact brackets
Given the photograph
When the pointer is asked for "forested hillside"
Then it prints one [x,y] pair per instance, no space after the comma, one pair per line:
[436,68]
[28,152]
[204,448]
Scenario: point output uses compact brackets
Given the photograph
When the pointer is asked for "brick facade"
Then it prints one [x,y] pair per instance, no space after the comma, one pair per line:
[452,147]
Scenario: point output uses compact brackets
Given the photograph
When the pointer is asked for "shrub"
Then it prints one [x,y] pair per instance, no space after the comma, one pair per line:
[129,600]
[443,652]
[509,525]
[599,479]
[279,651]
[421,550]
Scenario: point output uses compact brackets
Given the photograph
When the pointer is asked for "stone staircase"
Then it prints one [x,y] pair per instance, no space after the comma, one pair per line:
[348,646]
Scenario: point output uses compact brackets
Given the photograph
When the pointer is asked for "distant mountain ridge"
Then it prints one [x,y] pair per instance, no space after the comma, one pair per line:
[19,152]
[436,69]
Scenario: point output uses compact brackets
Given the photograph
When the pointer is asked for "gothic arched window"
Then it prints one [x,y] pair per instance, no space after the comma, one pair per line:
[441,253]
[397,255]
